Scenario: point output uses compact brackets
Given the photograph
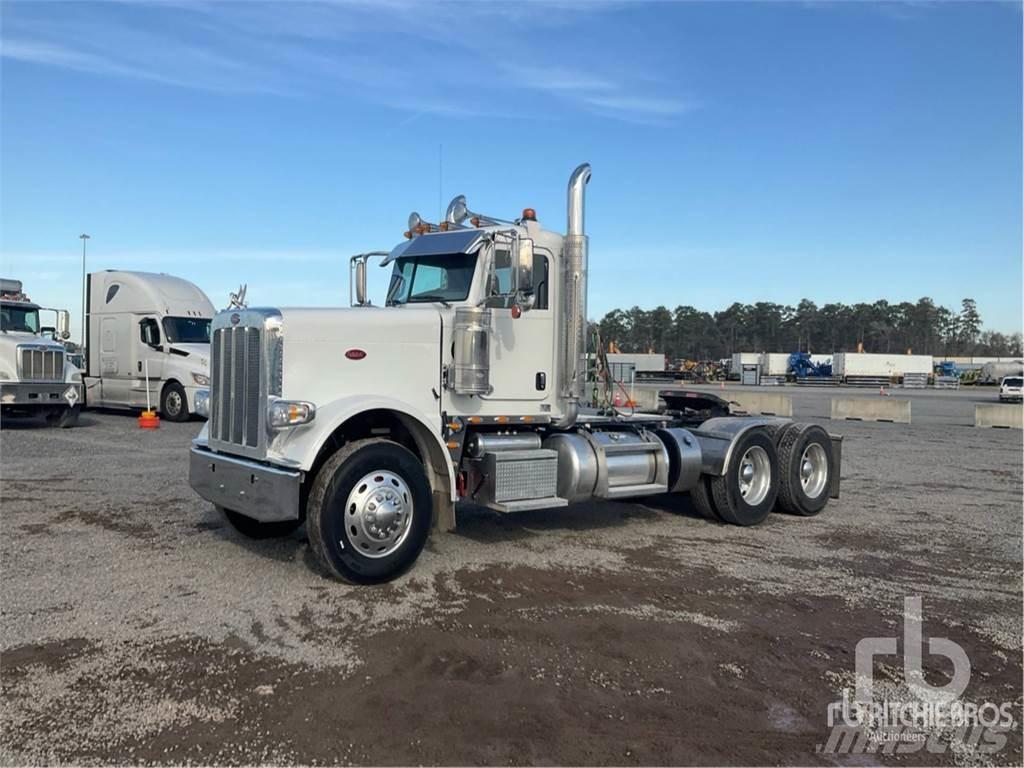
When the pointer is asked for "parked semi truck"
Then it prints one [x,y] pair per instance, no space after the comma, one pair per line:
[35,373]
[146,330]
[370,423]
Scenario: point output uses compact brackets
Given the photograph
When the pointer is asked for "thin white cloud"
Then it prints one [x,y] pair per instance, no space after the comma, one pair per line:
[433,62]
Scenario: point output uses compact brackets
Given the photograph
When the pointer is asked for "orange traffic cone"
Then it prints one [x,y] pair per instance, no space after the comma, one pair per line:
[148,418]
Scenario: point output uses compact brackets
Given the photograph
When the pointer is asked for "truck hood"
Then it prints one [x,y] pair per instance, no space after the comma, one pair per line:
[11,339]
[393,353]
[197,353]
[9,342]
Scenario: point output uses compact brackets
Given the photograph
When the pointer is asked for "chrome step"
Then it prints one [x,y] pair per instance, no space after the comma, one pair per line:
[522,505]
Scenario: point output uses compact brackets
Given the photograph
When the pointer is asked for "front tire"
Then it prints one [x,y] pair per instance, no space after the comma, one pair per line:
[65,418]
[369,511]
[747,491]
[254,529]
[174,402]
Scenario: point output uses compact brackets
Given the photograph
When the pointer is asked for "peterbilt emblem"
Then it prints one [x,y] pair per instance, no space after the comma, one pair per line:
[235,318]
[355,354]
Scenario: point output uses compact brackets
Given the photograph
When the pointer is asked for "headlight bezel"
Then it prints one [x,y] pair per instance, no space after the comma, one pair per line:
[284,414]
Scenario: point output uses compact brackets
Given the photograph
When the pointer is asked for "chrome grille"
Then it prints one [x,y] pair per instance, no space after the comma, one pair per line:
[41,364]
[236,399]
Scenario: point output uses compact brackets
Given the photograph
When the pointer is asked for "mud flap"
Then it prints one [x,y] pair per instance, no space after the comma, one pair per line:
[834,475]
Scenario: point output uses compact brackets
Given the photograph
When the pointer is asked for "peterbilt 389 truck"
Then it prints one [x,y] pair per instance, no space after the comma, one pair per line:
[36,375]
[370,423]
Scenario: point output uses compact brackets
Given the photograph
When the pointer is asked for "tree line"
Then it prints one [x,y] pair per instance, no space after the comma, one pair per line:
[924,327]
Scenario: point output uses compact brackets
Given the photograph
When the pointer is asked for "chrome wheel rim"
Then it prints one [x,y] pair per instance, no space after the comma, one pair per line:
[755,475]
[378,514]
[814,470]
[173,403]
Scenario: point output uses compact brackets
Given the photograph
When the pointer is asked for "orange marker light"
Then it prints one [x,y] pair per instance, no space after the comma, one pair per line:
[529,214]
[501,419]
[452,445]
[474,419]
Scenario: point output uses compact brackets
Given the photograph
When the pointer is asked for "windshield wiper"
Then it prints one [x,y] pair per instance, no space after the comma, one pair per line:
[430,297]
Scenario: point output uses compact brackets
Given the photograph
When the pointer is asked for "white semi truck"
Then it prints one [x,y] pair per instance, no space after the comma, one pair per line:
[146,330]
[370,423]
[35,373]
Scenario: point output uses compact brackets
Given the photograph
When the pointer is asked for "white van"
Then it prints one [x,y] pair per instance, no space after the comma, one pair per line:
[139,322]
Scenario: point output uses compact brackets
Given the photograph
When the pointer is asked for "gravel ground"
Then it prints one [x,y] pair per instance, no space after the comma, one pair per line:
[138,627]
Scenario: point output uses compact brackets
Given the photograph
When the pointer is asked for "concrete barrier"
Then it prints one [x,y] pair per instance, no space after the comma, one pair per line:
[645,398]
[760,403]
[993,415]
[871,409]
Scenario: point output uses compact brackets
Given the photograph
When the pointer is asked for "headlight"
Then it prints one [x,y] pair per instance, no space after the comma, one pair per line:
[201,379]
[202,403]
[76,376]
[290,413]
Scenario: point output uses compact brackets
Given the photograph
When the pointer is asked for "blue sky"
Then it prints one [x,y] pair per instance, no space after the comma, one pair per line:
[741,152]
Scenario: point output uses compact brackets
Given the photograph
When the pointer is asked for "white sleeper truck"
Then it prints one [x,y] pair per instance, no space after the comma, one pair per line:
[370,423]
[142,323]
[35,373]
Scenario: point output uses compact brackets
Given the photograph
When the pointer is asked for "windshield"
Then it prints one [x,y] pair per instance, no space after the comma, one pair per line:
[1012,382]
[431,278]
[187,330]
[15,318]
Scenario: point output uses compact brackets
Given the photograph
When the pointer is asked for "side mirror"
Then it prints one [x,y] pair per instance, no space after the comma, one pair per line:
[64,323]
[149,333]
[361,282]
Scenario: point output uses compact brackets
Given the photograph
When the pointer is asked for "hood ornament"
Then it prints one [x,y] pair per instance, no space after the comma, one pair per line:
[237,300]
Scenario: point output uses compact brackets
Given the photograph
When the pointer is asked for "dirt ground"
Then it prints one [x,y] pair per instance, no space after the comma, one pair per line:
[137,627]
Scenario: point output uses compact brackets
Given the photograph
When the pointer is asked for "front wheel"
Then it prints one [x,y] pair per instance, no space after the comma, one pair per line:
[369,511]
[174,403]
[65,418]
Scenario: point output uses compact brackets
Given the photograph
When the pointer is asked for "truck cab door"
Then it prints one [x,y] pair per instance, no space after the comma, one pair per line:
[522,348]
[149,350]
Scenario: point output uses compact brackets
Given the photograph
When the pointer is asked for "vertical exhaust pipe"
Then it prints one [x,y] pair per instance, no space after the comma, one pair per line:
[574,300]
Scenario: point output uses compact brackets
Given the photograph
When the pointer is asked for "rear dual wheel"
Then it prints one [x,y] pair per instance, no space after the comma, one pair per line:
[807,461]
[746,493]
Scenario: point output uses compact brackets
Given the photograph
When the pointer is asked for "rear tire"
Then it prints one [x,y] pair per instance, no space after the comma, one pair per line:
[746,493]
[806,463]
[254,529]
[174,403]
[369,511]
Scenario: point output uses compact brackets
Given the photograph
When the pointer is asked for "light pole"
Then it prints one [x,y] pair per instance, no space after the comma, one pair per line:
[81,347]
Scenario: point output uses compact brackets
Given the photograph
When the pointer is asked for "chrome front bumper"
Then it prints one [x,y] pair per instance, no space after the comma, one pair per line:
[29,393]
[264,493]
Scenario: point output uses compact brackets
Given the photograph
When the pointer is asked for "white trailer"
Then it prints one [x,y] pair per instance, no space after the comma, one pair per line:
[146,330]
[867,364]
[774,363]
[35,373]
[370,423]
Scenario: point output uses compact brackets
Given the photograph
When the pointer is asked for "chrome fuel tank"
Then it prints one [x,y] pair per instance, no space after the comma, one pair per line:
[609,464]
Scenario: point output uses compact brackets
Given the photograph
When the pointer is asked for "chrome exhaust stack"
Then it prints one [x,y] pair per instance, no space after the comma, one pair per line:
[572,372]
